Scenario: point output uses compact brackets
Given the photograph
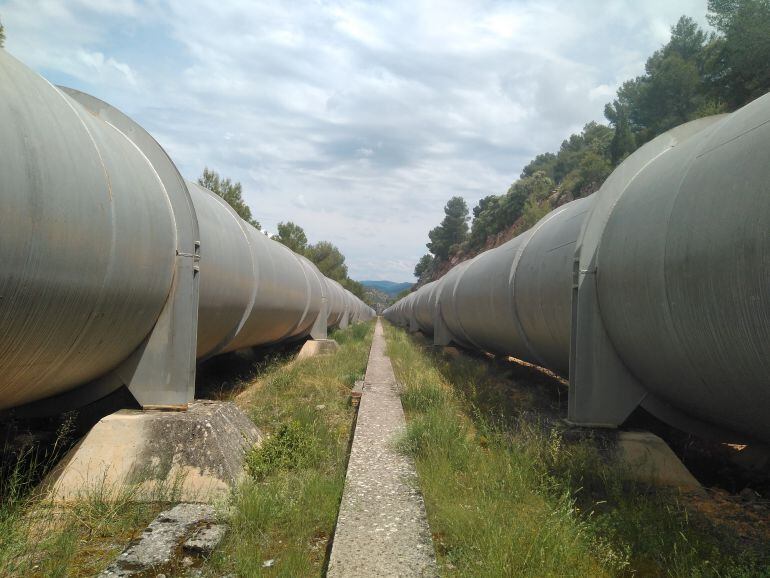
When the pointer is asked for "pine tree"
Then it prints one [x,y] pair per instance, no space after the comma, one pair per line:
[230,192]
[293,236]
[452,231]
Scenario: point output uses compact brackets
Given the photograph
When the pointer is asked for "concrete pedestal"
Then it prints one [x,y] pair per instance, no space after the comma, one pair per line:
[191,456]
[315,347]
[647,458]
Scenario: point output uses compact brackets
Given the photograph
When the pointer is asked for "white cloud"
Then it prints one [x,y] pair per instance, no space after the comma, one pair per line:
[96,65]
[120,7]
[357,120]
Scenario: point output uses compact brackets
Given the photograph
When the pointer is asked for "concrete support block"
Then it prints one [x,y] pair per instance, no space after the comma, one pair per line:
[315,347]
[647,458]
[452,351]
[192,456]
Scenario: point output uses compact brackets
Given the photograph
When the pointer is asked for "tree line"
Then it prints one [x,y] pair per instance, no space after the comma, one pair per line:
[697,73]
[327,257]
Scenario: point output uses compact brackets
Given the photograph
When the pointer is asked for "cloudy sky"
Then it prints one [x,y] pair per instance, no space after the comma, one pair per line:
[356,120]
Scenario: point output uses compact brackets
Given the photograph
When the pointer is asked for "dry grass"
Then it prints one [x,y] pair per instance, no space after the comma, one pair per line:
[42,539]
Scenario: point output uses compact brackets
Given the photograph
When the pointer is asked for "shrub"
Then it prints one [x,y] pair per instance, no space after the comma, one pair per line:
[294,446]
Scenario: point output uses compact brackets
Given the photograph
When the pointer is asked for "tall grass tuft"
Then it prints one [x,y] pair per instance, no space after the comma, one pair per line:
[294,446]
[41,538]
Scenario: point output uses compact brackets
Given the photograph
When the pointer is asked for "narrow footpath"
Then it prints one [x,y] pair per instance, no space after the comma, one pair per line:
[382,529]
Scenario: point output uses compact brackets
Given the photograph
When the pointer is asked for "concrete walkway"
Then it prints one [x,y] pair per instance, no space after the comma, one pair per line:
[382,529]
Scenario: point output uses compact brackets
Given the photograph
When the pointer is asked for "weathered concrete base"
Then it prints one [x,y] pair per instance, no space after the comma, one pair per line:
[452,351]
[175,538]
[315,347]
[647,458]
[191,456]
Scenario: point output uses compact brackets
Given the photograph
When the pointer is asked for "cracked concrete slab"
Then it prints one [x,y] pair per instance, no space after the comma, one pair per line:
[204,540]
[158,547]
[382,528]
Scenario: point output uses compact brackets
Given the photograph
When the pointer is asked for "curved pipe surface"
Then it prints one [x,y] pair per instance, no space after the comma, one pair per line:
[677,251]
[90,252]
[87,241]
[688,248]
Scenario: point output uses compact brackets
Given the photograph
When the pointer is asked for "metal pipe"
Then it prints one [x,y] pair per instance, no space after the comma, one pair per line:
[87,241]
[653,292]
[93,261]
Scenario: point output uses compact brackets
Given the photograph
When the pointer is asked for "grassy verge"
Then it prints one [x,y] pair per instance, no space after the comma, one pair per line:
[506,495]
[282,518]
[39,539]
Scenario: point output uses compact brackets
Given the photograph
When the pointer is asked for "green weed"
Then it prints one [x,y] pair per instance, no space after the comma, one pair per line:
[292,447]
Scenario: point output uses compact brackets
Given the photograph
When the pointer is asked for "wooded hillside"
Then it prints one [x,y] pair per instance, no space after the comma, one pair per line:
[698,73]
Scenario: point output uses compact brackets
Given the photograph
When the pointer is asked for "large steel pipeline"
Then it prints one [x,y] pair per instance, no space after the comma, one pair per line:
[653,292]
[117,272]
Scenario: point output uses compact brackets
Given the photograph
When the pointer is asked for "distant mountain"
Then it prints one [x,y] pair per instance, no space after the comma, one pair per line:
[390,288]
